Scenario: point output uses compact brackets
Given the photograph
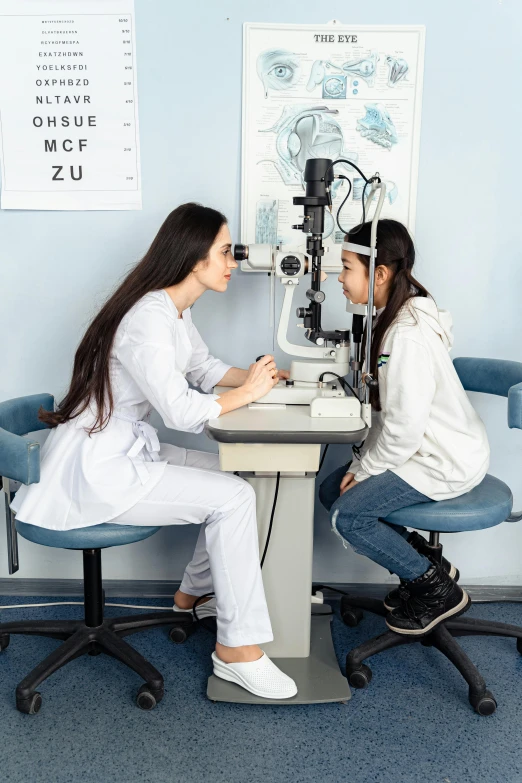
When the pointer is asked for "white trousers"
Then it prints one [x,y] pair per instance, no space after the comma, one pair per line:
[226,560]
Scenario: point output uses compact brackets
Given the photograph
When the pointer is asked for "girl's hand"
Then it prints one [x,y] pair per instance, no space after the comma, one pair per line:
[262,376]
[348,482]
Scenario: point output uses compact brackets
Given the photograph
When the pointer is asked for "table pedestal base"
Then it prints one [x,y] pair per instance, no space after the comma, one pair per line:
[318,677]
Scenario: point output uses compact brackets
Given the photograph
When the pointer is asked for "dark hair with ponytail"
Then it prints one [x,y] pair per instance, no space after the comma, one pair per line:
[185,238]
[396,251]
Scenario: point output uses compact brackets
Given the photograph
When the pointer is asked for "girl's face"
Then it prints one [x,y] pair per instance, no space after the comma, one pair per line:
[354,278]
[214,272]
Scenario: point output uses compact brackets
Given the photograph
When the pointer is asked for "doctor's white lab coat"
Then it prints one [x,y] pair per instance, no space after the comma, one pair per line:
[86,480]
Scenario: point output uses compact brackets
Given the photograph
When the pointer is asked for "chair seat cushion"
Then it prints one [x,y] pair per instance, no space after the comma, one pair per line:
[95,537]
[487,505]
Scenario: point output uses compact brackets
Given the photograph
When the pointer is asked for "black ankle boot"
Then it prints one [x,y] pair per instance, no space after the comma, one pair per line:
[433,598]
[395,597]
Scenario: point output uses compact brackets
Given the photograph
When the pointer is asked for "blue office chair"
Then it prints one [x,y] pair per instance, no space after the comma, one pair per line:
[488,504]
[20,461]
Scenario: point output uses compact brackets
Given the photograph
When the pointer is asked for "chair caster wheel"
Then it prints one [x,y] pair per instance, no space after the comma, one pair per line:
[350,615]
[483,703]
[180,633]
[359,677]
[147,699]
[29,706]
[4,641]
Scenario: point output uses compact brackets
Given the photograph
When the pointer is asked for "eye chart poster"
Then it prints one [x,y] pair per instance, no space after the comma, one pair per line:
[328,91]
[69,136]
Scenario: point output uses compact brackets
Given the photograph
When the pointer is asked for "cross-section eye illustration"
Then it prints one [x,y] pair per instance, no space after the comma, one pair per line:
[397,69]
[304,132]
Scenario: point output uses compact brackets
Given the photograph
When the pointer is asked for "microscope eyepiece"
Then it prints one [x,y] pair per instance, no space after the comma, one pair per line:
[240,252]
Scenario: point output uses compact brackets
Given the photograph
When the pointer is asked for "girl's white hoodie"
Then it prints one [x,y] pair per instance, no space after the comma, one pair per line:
[427,431]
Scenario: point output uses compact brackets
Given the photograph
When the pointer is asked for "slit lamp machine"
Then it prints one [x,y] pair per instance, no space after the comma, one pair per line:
[332,353]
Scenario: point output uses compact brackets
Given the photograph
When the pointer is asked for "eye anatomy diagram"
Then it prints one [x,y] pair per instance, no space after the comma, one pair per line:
[334,87]
[392,191]
[357,188]
[365,68]
[377,126]
[306,132]
[266,222]
[351,94]
[278,69]
[333,77]
[397,69]
[330,76]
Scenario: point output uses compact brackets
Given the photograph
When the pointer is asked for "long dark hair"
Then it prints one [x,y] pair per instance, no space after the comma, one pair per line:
[395,250]
[185,238]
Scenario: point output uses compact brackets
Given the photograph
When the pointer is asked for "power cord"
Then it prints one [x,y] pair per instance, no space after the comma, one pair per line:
[265,550]
[367,182]
[201,597]
[276,492]
[338,218]
[81,603]
[161,608]
[322,458]
[329,587]
[344,383]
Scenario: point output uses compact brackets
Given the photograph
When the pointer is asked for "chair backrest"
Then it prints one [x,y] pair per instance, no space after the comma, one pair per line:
[494,376]
[19,456]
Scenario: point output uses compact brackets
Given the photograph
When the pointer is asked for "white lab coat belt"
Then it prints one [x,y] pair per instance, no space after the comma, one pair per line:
[146,438]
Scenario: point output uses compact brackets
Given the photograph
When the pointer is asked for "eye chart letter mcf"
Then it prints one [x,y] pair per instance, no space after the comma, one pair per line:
[68,105]
[328,91]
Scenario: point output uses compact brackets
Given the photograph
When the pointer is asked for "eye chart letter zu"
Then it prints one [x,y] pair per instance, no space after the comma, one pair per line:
[69,136]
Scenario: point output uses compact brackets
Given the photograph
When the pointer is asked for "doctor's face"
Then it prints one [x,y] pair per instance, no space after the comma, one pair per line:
[214,272]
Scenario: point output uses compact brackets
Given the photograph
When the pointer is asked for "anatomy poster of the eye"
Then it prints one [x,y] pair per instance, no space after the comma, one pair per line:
[328,91]
[68,105]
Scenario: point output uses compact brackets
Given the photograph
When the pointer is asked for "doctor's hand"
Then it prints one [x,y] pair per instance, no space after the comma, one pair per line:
[283,375]
[262,376]
[348,482]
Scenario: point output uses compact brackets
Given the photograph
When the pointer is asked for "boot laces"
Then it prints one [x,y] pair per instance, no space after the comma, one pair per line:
[404,593]
[415,606]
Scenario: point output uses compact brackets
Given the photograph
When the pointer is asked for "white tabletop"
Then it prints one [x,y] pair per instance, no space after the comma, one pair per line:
[292,424]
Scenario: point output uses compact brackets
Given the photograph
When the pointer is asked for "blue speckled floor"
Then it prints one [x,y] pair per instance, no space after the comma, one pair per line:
[412,725]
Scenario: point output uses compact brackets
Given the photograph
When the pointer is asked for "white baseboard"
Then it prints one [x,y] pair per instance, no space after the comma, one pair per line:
[135,588]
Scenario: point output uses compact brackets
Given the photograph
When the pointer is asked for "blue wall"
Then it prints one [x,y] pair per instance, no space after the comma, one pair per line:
[57,267]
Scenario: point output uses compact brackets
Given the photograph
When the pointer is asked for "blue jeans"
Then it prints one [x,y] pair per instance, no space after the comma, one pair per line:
[355,517]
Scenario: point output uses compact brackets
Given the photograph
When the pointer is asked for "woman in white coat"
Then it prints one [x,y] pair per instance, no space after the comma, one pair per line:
[103,462]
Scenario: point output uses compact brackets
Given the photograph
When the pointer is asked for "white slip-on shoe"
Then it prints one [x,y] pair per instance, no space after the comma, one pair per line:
[262,677]
[208,609]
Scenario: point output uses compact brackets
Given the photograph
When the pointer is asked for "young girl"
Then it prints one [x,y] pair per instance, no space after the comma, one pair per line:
[426,441]
[103,462]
